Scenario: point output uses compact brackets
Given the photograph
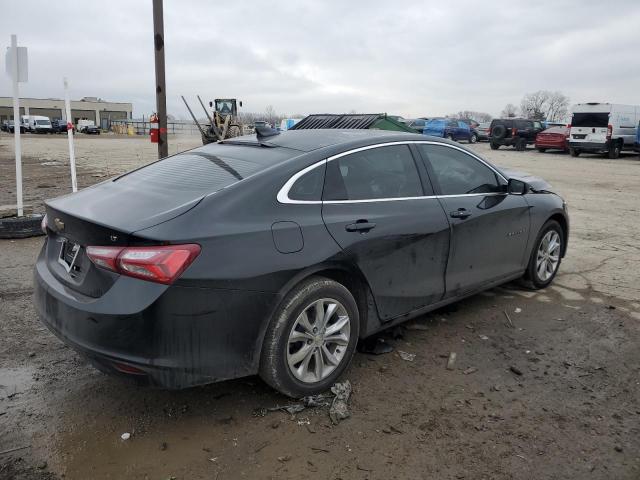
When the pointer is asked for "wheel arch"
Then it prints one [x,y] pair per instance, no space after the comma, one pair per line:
[564,224]
[347,275]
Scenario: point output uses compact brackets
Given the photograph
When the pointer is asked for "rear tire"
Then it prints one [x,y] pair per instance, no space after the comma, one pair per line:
[287,336]
[574,152]
[614,151]
[543,264]
[473,138]
[494,146]
[542,150]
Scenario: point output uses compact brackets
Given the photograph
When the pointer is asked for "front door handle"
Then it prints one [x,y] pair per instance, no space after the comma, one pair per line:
[461,213]
[362,226]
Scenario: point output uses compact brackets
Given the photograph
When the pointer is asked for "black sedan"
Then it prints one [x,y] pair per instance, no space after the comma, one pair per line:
[275,254]
[59,126]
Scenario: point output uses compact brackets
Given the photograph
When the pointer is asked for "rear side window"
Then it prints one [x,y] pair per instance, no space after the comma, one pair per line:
[383,172]
[458,173]
[309,186]
[590,119]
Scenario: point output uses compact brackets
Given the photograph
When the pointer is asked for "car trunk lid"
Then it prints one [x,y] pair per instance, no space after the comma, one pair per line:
[109,214]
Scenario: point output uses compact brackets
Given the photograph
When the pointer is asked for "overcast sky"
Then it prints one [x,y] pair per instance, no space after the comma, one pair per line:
[411,58]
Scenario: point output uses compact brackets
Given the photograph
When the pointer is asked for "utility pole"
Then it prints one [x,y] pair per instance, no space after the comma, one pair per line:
[161,95]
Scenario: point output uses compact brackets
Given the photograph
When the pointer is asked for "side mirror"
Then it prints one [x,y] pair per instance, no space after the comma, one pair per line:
[240,102]
[516,187]
[210,104]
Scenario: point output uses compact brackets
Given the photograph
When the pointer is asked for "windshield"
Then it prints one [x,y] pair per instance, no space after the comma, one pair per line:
[590,119]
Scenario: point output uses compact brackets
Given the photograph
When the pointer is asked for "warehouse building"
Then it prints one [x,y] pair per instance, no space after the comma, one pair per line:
[90,108]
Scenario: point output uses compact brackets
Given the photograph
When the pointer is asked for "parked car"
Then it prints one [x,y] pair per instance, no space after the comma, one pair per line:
[554,138]
[39,124]
[59,126]
[516,132]
[416,123]
[603,128]
[91,130]
[470,121]
[637,144]
[450,128]
[9,127]
[483,130]
[5,126]
[230,260]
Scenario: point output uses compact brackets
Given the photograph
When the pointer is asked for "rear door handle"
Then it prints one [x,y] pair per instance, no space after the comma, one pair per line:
[460,213]
[361,226]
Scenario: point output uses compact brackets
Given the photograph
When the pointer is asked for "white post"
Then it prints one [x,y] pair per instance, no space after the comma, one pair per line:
[72,155]
[16,124]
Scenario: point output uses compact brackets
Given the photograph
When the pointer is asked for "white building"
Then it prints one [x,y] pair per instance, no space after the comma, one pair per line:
[90,108]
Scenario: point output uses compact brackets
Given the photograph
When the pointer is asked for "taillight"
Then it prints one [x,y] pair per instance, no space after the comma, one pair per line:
[609,132]
[162,264]
[43,224]
[514,132]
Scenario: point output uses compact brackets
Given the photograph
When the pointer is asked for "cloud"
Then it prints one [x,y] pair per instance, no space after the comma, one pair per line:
[414,59]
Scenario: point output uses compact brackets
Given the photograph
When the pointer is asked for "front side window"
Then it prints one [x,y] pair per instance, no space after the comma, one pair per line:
[458,173]
[376,173]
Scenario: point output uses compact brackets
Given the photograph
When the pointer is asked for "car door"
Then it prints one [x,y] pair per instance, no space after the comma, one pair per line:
[489,228]
[464,130]
[452,129]
[376,209]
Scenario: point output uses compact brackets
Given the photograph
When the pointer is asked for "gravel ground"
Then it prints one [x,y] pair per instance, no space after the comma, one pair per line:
[555,396]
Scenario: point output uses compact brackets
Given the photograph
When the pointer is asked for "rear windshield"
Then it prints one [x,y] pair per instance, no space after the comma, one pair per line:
[204,170]
[436,123]
[590,119]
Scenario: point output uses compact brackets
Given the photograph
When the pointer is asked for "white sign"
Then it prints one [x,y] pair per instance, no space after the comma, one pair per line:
[23,68]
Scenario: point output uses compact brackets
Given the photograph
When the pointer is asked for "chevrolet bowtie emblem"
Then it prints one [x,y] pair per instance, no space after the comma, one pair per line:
[59,224]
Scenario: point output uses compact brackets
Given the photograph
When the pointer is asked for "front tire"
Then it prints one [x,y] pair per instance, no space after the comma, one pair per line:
[311,338]
[545,257]
[473,138]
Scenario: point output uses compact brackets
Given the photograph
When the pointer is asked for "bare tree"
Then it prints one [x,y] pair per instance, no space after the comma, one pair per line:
[545,105]
[557,107]
[509,111]
[270,115]
[473,115]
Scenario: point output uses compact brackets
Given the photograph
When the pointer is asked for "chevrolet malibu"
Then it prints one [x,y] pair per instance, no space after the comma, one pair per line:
[275,254]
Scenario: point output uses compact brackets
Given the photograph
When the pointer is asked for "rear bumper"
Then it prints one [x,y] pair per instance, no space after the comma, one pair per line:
[590,146]
[560,145]
[177,336]
[509,141]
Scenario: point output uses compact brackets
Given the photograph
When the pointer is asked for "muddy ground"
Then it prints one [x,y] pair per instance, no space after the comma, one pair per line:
[555,396]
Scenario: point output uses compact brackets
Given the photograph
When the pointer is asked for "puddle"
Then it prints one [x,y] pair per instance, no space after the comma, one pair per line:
[15,380]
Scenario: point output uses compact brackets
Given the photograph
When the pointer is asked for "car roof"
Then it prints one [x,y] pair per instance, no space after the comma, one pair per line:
[314,139]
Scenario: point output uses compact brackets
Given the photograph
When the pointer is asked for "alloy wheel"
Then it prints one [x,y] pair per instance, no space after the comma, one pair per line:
[318,340]
[548,257]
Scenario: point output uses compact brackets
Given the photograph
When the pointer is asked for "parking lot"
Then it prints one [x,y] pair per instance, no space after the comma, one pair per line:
[546,383]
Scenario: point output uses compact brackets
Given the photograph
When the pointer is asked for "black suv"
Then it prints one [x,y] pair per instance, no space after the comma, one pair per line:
[517,132]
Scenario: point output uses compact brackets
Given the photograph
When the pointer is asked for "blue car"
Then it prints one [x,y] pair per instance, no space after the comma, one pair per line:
[636,147]
[450,128]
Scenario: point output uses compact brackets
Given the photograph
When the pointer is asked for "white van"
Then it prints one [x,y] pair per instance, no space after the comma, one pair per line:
[24,123]
[39,124]
[603,128]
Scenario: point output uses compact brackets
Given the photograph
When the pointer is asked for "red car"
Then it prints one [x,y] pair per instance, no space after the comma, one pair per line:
[556,138]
